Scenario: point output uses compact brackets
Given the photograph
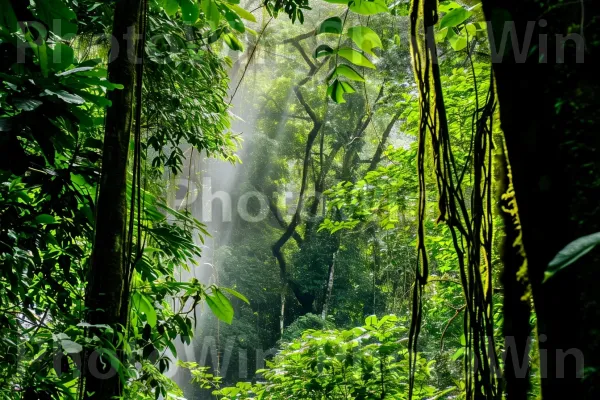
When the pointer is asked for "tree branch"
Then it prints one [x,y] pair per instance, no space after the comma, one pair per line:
[384,138]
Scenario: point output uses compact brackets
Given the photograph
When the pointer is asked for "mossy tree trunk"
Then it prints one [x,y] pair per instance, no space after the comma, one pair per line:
[550,115]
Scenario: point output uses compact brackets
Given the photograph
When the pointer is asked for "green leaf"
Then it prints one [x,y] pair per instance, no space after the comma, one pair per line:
[67,97]
[211,13]
[75,70]
[365,38]
[171,7]
[141,303]
[571,253]
[355,57]
[71,347]
[331,25]
[220,306]
[247,15]
[337,89]
[458,354]
[323,50]
[233,42]
[42,52]
[189,11]
[58,16]
[27,104]
[455,17]
[441,35]
[446,6]
[471,30]
[8,18]
[5,125]
[235,21]
[368,7]
[371,320]
[237,294]
[346,71]
[458,42]
[100,101]
[61,57]
[45,219]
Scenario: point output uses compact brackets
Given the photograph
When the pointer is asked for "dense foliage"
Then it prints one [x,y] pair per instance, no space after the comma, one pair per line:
[366,362]
[327,199]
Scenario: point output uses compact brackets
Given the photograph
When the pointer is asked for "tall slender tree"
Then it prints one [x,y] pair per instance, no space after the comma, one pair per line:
[107,275]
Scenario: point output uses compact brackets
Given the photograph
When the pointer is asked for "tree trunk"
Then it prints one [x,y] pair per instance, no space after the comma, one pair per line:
[550,117]
[107,276]
[516,307]
[329,288]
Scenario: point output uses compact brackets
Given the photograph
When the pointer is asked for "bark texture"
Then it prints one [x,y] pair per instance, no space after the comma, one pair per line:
[107,275]
[550,117]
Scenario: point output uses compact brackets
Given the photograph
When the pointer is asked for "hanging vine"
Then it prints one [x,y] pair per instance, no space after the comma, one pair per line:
[470,220]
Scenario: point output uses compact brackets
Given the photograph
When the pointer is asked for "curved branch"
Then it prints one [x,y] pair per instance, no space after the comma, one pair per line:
[312,136]
[384,138]
[277,214]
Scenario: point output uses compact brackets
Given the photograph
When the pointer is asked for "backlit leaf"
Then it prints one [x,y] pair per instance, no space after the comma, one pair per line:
[220,306]
[141,303]
[365,38]
[237,294]
[455,17]
[247,15]
[355,57]
[368,7]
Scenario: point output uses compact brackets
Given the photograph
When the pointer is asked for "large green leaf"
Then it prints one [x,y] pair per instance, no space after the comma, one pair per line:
[571,253]
[220,306]
[237,294]
[233,42]
[27,104]
[211,13]
[45,219]
[58,16]
[337,89]
[368,7]
[189,11]
[8,18]
[67,97]
[75,70]
[331,25]
[170,6]
[458,42]
[365,38]
[234,21]
[141,303]
[346,71]
[355,57]
[455,17]
[71,347]
[247,15]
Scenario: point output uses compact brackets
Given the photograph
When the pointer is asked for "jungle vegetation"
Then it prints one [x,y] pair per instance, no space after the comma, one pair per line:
[299,199]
